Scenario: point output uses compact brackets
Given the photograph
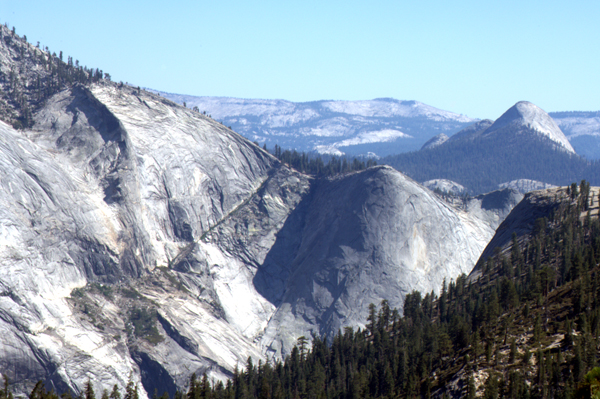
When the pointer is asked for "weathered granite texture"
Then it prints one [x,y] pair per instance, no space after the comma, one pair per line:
[140,237]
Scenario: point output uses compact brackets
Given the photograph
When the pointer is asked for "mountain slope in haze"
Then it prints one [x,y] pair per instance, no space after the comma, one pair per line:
[582,129]
[382,126]
[525,186]
[526,118]
[435,141]
[356,127]
[142,238]
[524,143]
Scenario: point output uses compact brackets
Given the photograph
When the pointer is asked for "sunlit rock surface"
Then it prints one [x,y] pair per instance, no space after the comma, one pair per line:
[435,141]
[138,237]
[366,236]
[525,185]
[445,186]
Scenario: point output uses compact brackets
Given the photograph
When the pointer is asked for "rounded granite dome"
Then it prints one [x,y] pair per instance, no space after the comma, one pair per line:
[528,115]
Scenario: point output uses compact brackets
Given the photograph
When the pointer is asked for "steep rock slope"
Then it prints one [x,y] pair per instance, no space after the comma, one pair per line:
[318,252]
[527,117]
[366,236]
[582,129]
[106,191]
[142,238]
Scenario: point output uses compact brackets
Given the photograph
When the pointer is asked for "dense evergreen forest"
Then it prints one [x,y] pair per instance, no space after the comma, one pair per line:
[526,324]
[481,164]
[316,166]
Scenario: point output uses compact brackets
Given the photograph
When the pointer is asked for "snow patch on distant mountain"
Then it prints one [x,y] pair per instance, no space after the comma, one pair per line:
[387,107]
[325,126]
[329,150]
[380,136]
[333,127]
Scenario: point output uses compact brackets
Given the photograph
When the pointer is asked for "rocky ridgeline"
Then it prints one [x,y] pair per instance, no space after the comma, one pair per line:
[140,237]
[29,75]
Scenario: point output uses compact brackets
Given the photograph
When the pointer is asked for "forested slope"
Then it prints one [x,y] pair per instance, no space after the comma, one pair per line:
[483,163]
[526,324]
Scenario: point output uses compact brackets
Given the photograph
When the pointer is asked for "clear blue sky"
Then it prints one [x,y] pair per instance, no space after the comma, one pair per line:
[472,57]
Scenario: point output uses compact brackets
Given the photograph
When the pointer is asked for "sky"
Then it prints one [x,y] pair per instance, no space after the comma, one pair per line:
[476,58]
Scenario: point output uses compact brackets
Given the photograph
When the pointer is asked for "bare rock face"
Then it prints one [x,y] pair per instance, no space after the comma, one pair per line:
[435,141]
[110,187]
[365,237]
[525,116]
[526,185]
[445,186]
[141,238]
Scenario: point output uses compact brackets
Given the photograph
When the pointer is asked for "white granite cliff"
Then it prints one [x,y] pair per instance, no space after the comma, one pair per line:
[140,237]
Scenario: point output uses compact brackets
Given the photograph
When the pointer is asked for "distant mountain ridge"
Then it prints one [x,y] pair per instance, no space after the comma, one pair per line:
[524,143]
[378,127]
[582,128]
[525,116]
[383,126]
[435,141]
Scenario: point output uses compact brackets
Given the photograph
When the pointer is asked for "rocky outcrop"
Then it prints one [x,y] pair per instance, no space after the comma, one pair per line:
[445,186]
[527,117]
[435,141]
[142,238]
[525,185]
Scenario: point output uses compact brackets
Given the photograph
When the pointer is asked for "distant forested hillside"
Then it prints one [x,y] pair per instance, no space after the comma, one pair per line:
[481,164]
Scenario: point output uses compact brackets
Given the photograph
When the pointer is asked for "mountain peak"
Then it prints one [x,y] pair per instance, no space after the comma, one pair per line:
[528,115]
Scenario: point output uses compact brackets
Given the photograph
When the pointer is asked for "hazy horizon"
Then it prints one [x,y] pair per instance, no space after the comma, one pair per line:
[469,57]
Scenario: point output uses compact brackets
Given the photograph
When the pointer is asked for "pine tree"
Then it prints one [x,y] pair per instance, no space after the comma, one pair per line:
[115,393]
[89,389]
